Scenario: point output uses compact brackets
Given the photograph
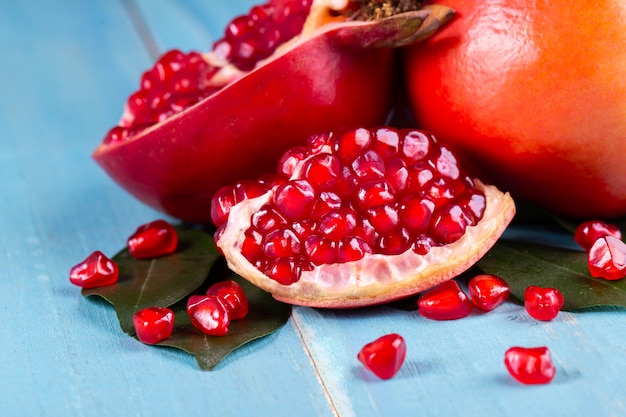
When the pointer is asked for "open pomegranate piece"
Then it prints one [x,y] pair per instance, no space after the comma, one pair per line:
[287,69]
[359,217]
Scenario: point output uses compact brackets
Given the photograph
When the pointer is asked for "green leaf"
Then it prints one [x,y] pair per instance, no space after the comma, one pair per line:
[523,264]
[265,316]
[161,281]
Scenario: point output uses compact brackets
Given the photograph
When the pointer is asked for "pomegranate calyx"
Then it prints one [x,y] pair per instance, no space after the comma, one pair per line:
[396,30]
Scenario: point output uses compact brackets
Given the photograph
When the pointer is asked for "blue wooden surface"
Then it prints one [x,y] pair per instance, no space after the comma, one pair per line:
[65,70]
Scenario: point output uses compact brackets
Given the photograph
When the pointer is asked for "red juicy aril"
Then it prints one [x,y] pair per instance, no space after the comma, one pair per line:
[285,70]
[359,217]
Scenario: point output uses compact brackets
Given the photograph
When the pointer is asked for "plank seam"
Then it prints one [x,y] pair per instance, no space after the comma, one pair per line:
[318,375]
[142,28]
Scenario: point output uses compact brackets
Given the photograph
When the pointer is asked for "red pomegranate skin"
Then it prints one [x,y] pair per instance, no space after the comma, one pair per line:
[324,84]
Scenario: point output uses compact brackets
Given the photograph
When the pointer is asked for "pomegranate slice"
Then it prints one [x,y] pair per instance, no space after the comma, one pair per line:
[401,220]
[286,70]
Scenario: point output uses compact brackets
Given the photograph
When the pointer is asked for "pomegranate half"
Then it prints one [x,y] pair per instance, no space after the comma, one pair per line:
[242,108]
[359,217]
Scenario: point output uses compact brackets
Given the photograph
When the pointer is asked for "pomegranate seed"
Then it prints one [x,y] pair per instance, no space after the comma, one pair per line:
[267,219]
[383,218]
[384,356]
[233,296]
[607,258]
[338,223]
[352,249]
[353,143]
[295,199]
[322,171]
[209,314]
[153,324]
[95,271]
[387,142]
[450,224]
[445,302]
[283,270]
[153,239]
[281,243]
[222,202]
[488,291]
[543,303]
[530,365]
[320,250]
[447,164]
[416,214]
[416,146]
[588,233]
[394,242]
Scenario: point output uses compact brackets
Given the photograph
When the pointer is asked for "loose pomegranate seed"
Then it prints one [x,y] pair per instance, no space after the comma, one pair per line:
[95,271]
[153,239]
[588,233]
[384,356]
[543,303]
[607,258]
[234,298]
[343,196]
[488,291]
[445,302]
[530,365]
[153,324]
[209,314]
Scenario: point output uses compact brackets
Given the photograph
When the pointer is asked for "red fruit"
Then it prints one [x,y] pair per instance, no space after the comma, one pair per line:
[533,94]
[364,245]
[607,258]
[201,121]
[445,302]
[153,324]
[233,296]
[588,232]
[384,356]
[530,365]
[153,239]
[209,314]
[488,291]
[543,303]
[95,271]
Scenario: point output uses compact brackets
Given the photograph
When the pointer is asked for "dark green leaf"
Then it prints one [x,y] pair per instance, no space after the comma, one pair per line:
[161,281]
[522,264]
[265,316]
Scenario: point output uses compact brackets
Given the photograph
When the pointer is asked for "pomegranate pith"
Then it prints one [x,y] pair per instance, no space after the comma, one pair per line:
[379,227]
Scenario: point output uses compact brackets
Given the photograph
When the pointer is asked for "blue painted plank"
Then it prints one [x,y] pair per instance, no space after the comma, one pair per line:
[66,69]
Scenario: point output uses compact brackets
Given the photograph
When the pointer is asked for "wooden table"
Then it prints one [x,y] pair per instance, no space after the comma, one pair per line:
[66,68]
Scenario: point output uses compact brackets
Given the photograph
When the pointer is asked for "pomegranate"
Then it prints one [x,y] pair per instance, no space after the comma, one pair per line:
[287,69]
[359,217]
[533,94]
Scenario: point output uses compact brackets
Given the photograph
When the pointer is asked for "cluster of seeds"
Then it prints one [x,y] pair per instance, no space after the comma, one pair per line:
[255,36]
[179,80]
[343,196]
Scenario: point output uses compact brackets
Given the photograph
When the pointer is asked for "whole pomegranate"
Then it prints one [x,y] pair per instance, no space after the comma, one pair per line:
[533,95]
[285,70]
